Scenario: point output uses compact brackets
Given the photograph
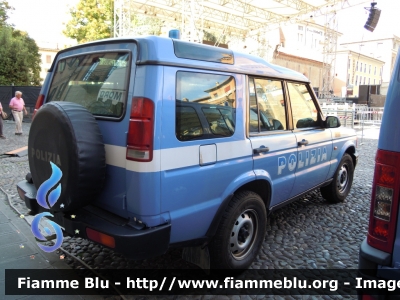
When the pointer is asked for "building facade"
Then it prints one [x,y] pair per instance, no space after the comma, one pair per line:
[354,69]
[298,46]
[312,69]
[47,57]
[384,50]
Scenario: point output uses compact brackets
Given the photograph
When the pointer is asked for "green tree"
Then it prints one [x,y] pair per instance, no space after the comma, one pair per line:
[4,8]
[19,58]
[91,20]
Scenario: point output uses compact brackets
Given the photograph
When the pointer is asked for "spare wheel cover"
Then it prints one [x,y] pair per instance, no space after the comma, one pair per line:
[67,134]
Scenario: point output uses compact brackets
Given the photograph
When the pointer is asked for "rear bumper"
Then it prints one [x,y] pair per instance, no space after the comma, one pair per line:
[374,263]
[135,243]
[370,257]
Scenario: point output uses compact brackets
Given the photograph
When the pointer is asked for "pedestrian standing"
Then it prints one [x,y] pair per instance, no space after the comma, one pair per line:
[1,123]
[17,106]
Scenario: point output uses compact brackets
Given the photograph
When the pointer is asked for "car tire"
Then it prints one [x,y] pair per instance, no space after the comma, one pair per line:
[240,233]
[68,135]
[340,187]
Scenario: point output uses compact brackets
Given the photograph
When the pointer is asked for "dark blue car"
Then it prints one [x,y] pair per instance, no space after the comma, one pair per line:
[380,251]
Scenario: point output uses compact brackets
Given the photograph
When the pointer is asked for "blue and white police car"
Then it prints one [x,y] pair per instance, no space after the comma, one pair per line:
[165,143]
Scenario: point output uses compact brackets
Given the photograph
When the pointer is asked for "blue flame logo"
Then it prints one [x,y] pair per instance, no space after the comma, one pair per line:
[47,185]
[53,196]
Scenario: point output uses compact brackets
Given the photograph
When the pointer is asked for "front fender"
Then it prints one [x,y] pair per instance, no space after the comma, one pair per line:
[262,174]
[343,146]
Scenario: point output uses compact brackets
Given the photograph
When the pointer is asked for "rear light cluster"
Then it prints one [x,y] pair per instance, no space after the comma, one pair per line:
[39,103]
[385,200]
[141,130]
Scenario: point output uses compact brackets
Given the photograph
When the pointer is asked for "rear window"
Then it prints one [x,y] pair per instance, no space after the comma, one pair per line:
[97,81]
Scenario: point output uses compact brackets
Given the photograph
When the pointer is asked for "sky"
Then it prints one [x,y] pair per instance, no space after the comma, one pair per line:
[351,21]
[43,20]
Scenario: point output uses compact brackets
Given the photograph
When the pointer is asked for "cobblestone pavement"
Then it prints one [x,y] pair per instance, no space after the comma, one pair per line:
[309,233]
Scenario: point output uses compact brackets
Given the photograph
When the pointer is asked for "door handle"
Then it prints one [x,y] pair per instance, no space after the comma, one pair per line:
[303,143]
[260,150]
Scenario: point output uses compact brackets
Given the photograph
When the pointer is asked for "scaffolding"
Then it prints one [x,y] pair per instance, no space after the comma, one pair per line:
[226,17]
[192,21]
[238,20]
[329,53]
[122,18]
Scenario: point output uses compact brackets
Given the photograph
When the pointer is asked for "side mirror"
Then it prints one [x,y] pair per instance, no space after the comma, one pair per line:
[332,122]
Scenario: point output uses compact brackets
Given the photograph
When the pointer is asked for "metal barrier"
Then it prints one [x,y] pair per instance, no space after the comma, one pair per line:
[353,115]
[369,115]
[344,112]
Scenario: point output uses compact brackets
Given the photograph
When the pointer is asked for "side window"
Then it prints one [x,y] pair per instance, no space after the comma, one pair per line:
[267,105]
[205,106]
[305,113]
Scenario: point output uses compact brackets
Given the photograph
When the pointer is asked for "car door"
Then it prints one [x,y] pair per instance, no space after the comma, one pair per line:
[314,143]
[274,145]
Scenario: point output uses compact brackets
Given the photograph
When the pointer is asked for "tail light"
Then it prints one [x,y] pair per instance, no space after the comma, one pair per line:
[384,201]
[140,134]
[39,103]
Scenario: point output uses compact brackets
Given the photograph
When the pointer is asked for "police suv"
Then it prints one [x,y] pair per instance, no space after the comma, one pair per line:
[165,143]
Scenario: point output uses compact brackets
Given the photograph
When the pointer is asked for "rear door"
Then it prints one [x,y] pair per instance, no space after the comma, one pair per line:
[314,143]
[98,79]
[274,145]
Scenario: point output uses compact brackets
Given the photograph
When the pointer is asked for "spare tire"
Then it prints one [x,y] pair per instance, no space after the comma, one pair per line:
[68,135]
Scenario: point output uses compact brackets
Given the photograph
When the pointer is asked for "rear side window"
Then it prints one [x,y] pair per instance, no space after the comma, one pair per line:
[96,81]
[205,106]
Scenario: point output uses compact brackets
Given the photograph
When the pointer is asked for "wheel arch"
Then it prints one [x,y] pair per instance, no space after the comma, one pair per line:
[351,150]
[339,188]
[259,186]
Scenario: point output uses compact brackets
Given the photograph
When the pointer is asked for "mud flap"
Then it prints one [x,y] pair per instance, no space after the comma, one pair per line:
[198,256]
